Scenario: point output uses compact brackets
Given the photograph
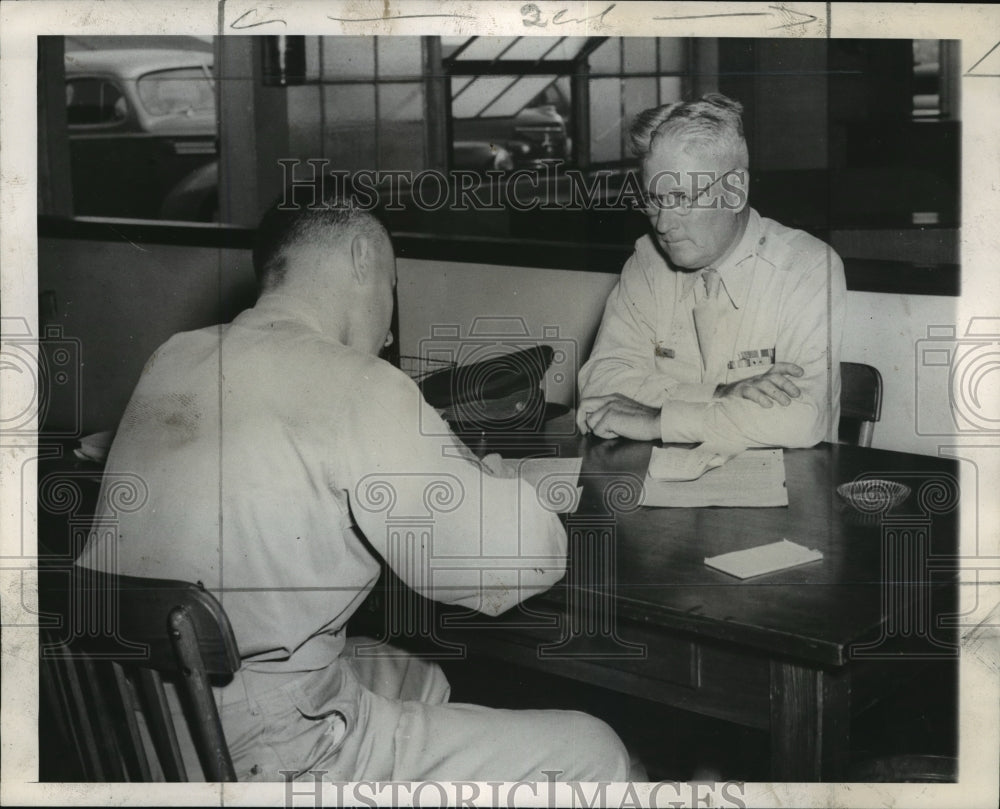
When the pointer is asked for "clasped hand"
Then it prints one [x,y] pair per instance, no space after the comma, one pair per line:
[616,415]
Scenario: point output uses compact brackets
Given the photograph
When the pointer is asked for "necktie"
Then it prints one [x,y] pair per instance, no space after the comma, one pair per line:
[707,314]
[712,281]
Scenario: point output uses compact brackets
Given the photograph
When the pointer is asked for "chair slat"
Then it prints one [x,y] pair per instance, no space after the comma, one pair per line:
[107,736]
[161,727]
[130,706]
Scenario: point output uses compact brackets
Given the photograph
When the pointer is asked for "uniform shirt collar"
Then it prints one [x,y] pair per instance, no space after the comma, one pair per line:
[278,307]
[734,270]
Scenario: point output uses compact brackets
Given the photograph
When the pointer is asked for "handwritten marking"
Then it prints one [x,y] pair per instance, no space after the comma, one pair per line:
[400,17]
[783,11]
[712,16]
[984,57]
[532,16]
[239,25]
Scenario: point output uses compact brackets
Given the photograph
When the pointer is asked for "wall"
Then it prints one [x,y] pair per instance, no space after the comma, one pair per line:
[882,329]
[122,301]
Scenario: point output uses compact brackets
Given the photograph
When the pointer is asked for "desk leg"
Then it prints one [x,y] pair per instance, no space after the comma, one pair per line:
[810,723]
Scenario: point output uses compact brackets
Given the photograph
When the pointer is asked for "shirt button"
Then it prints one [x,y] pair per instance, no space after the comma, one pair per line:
[255,769]
[762,239]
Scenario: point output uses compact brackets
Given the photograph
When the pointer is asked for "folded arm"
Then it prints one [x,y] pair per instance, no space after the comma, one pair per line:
[782,408]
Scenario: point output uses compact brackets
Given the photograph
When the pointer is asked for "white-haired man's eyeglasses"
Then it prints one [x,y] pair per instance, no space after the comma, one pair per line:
[681,202]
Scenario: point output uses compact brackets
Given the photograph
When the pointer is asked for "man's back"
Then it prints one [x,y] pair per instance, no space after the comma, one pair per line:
[240,433]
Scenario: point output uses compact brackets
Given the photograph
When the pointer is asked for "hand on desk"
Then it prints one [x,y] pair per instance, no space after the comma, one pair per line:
[765,389]
[616,415]
[499,467]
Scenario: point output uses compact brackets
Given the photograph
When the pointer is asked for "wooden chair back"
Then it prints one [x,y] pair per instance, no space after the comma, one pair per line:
[108,644]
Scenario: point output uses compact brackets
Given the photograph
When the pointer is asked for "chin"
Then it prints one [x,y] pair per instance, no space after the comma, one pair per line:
[683,256]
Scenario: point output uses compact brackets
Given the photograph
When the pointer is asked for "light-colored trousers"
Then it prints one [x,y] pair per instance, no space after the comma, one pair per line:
[387,718]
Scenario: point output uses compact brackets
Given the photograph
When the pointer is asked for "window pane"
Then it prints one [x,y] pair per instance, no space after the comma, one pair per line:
[508,122]
[486,48]
[518,95]
[567,48]
[349,137]
[475,97]
[671,54]
[671,89]
[142,137]
[528,48]
[639,95]
[399,56]
[640,54]
[176,92]
[605,120]
[313,46]
[607,58]
[94,102]
[304,122]
[348,58]
[401,126]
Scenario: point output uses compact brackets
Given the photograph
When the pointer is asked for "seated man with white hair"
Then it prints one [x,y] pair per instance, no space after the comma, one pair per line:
[725,326]
[280,454]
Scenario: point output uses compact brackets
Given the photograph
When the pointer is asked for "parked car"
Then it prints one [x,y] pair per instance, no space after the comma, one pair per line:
[144,135]
[535,133]
[141,123]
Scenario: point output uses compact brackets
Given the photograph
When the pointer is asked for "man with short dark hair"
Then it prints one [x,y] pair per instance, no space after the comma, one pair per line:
[279,452]
[725,326]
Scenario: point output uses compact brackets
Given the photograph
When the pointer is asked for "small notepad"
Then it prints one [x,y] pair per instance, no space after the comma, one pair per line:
[763,559]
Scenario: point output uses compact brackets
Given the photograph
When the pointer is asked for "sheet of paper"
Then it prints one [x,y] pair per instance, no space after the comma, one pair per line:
[763,559]
[755,477]
[555,479]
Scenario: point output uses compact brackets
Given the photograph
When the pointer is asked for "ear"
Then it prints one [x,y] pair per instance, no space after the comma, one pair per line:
[361,258]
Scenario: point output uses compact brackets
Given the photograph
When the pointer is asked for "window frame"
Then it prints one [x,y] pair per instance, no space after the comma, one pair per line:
[862,274]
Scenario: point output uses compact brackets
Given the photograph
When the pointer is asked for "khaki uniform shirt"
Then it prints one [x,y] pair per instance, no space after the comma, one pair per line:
[269,449]
[781,300]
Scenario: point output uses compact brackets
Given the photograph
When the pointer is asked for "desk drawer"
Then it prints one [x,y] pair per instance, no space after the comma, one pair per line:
[705,678]
[634,650]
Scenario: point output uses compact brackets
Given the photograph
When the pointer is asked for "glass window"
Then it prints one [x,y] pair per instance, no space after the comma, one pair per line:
[507,122]
[177,92]
[142,128]
[401,126]
[640,55]
[94,102]
[926,78]
[672,54]
[607,58]
[605,120]
[348,57]
[647,72]
[399,56]
[349,126]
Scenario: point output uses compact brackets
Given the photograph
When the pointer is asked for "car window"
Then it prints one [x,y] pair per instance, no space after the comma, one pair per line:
[176,91]
[94,101]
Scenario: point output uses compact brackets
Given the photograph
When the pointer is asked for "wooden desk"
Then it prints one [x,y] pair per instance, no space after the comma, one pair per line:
[793,652]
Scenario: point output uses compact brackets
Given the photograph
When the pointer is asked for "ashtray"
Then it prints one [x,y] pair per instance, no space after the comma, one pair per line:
[873,495]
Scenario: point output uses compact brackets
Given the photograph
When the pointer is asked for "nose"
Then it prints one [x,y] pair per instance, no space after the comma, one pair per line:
[666,219]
